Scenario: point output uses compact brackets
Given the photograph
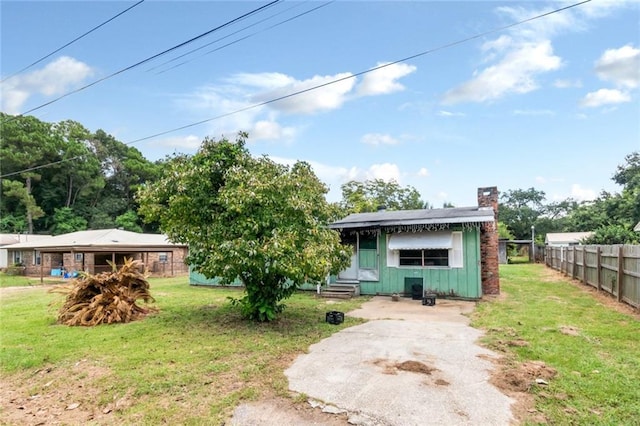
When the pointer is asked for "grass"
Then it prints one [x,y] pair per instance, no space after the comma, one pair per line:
[594,348]
[22,281]
[191,363]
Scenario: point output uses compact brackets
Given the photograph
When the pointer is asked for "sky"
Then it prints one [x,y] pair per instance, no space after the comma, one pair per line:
[444,96]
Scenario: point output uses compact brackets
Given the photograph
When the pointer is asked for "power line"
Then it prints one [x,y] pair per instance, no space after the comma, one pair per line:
[150,58]
[71,42]
[238,40]
[405,59]
[299,92]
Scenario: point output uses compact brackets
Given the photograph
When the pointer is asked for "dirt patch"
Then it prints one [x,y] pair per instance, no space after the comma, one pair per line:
[285,412]
[569,330]
[517,380]
[391,367]
[58,395]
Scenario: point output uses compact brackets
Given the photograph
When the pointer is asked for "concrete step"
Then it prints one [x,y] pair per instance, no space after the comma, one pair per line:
[336,294]
[341,285]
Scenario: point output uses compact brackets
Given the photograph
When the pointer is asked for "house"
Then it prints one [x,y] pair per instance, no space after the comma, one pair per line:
[16,257]
[91,251]
[565,239]
[637,227]
[452,251]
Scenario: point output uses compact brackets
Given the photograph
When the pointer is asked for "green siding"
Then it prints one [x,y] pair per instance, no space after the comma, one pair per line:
[462,282]
[368,259]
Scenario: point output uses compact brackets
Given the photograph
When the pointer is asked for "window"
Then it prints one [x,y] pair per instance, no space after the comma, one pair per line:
[425,249]
[37,258]
[368,241]
[163,258]
[428,257]
[17,258]
[79,257]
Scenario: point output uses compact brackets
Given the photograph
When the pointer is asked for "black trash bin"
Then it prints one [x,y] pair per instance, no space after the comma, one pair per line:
[335,317]
[416,292]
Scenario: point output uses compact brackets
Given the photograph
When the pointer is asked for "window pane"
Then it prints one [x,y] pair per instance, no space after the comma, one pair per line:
[368,241]
[436,257]
[411,257]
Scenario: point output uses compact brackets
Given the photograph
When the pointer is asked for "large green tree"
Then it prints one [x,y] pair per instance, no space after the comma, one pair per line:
[370,195]
[247,219]
[519,209]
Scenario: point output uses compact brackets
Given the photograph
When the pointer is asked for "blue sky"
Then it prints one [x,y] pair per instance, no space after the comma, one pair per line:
[551,104]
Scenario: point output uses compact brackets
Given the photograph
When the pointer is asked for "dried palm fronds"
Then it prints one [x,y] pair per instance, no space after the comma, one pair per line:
[105,298]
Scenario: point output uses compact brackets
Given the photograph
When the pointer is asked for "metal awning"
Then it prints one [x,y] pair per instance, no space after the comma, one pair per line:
[420,240]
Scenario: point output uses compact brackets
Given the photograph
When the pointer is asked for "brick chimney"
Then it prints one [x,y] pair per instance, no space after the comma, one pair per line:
[489,273]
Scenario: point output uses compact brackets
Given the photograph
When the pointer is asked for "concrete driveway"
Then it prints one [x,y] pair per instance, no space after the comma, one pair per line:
[409,365]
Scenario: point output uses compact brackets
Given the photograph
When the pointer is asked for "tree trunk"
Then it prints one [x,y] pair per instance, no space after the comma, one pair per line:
[29,215]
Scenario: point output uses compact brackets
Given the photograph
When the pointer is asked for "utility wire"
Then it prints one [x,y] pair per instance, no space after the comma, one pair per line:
[238,40]
[71,42]
[405,59]
[150,58]
[299,92]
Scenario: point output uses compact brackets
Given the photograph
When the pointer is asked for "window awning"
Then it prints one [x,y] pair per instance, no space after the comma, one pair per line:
[420,240]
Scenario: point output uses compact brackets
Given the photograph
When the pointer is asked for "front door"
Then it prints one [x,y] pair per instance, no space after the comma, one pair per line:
[351,272]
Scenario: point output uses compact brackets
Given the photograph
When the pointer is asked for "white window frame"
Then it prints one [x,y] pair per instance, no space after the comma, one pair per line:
[37,257]
[455,254]
[16,257]
[163,257]
[78,257]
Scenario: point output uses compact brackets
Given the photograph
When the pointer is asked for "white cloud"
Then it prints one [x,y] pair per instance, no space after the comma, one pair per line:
[384,80]
[270,130]
[379,139]
[56,78]
[515,73]
[326,98]
[423,172]
[582,194]
[566,84]
[620,66]
[604,97]
[443,113]
[385,171]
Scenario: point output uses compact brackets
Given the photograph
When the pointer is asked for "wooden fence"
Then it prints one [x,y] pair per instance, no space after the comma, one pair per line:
[614,269]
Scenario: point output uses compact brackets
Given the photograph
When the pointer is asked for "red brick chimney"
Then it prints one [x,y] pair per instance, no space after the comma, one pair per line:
[489,273]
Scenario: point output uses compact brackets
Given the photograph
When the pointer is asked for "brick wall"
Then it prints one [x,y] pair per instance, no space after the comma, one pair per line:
[489,263]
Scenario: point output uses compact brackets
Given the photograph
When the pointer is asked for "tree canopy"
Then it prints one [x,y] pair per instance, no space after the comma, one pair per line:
[370,195]
[89,179]
[247,219]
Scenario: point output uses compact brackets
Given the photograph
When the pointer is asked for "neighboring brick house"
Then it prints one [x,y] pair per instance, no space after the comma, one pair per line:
[91,251]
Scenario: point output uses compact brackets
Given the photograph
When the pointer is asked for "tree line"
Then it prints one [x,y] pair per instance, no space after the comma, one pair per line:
[611,216]
[89,182]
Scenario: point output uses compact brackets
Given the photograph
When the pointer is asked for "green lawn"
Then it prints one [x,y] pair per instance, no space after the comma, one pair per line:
[22,281]
[191,363]
[594,348]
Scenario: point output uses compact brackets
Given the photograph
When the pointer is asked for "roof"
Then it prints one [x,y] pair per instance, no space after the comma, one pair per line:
[566,237]
[416,217]
[98,240]
[637,227]
[7,239]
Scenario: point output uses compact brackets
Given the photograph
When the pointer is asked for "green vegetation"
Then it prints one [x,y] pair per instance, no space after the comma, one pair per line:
[8,280]
[593,347]
[190,363]
[611,216]
[267,222]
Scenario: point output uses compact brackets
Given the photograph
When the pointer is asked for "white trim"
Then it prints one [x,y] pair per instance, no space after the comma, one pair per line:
[456,252]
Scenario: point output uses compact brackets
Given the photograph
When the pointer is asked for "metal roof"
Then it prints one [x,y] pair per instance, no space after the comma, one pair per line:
[97,240]
[566,237]
[415,217]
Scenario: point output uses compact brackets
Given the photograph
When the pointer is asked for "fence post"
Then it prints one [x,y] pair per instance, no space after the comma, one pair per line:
[584,264]
[620,272]
[598,260]
[574,266]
